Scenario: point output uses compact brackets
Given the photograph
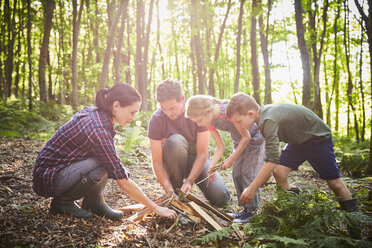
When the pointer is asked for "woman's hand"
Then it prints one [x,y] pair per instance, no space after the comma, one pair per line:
[165,212]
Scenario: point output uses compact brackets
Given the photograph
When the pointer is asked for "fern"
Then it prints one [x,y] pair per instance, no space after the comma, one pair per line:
[216,236]
[309,219]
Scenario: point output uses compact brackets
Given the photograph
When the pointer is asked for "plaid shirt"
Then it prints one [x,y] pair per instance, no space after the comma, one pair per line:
[88,134]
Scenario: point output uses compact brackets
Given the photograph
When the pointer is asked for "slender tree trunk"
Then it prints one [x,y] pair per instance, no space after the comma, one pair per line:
[317,106]
[212,89]
[306,91]
[175,38]
[29,54]
[238,45]
[195,37]
[264,49]
[75,43]
[95,32]
[362,134]
[110,41]
[140,30]
[158,43]
[127,72]
[118,54]
[145,96]
[336,71]
[48,11]
[18,56]
[350,83]
[10,48]
[254,61]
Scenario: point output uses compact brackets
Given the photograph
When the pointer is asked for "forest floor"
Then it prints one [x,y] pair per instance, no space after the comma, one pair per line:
[25,220]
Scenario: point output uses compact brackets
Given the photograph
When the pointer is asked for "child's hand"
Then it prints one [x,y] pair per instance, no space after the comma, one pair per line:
[211,174]
[247,195]
[227,163]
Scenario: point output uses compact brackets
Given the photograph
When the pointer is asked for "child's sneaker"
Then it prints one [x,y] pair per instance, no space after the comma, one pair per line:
[242,216]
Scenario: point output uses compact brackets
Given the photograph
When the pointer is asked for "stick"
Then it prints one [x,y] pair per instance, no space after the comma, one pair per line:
[211,172]
[205,216]
[220,214]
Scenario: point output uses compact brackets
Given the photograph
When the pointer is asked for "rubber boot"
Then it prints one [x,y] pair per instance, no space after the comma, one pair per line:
[95,202]
[65,204]
[354,230]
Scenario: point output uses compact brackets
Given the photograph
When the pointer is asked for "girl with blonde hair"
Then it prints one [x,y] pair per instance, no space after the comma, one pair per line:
[248,156]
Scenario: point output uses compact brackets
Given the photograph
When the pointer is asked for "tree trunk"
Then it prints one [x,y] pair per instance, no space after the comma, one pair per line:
[75,43]
[254,61]
[265,51]
[175,38]
[29,54]
[145,95]
[48,13]
[195,37]
[317,106]
[10,48]
[158,43]
[95,32]
[140,30]
[350,83]
[110,41]
[336,71]
[118,54]
[306,91]
[217,52]
[238,45]
[18,56]
[362,134]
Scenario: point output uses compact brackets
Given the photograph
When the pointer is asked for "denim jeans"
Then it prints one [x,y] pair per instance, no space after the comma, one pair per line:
[71,174]
[179,158]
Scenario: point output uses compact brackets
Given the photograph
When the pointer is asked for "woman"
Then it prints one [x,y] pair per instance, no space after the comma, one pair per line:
[77,161]
[248,156]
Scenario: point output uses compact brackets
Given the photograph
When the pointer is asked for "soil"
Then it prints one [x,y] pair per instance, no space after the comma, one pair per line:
[25,220]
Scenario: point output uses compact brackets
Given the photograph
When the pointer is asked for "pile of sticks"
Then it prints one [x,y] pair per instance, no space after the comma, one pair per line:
[187,206]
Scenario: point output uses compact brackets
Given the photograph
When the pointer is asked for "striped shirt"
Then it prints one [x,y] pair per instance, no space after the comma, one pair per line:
[225,124]
[88,134]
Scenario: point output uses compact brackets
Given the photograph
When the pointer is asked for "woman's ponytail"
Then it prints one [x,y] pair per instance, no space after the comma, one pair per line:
[125,94]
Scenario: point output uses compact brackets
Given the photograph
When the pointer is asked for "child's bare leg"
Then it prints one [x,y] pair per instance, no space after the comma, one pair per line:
[280,174]
[340,189]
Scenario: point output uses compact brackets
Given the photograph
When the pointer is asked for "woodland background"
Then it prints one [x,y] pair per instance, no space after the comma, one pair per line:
[310,52]
[55,55]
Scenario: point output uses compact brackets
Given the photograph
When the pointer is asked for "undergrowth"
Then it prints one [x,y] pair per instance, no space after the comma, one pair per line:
[307,219]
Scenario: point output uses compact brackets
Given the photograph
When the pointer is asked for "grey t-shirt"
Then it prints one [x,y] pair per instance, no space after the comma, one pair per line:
[289,123]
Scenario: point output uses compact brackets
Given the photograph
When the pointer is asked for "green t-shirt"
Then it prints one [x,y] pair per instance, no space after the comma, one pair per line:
[289,123]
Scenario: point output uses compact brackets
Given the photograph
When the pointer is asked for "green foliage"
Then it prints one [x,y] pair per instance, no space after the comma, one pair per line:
[16,122]
[41,123]
[131,136]
[216,236]
[229,145]
[308,219]
[353,156]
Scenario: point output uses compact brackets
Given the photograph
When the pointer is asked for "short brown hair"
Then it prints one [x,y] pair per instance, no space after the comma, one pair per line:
[169,89]
[241,103]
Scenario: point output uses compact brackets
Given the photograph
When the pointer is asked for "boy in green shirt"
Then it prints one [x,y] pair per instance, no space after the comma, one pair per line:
[307,137]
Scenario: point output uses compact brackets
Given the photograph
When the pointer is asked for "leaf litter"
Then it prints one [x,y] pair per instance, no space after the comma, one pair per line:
[25,220]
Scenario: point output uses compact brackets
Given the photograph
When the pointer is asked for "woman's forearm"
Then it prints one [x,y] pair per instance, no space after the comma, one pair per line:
[132,189]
